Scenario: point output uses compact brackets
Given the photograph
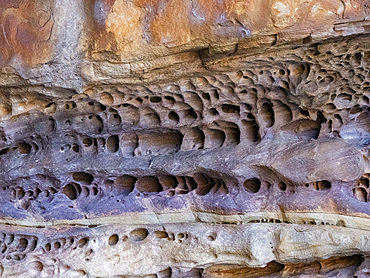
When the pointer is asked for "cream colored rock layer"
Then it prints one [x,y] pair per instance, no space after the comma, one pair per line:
[150,249]
[192,217]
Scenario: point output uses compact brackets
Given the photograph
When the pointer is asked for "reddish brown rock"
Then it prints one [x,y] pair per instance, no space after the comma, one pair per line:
[26,32]
[129,28]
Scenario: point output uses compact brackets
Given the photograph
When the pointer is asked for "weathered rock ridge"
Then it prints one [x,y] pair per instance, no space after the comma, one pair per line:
[184,138]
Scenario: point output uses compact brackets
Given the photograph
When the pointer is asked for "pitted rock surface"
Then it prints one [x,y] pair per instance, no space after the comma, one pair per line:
[184,138]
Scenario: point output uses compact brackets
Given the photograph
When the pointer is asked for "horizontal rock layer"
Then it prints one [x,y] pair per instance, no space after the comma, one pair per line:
[44,43]
[191,250]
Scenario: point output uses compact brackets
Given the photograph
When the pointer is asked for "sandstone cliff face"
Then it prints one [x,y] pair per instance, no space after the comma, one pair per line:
[184,138]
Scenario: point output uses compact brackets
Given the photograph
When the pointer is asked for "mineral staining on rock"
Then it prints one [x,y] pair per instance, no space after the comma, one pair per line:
[184,139]
[26,29]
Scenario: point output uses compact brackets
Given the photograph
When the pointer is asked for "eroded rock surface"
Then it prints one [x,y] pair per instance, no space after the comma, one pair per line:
[184,138]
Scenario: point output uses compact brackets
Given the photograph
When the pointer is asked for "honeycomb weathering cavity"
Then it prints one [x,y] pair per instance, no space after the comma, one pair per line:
[184,139]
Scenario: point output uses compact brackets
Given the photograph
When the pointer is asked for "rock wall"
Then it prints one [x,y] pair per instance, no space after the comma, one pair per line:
[176,138]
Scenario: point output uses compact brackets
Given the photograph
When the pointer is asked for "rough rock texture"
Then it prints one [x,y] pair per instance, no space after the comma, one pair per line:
[184,138]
